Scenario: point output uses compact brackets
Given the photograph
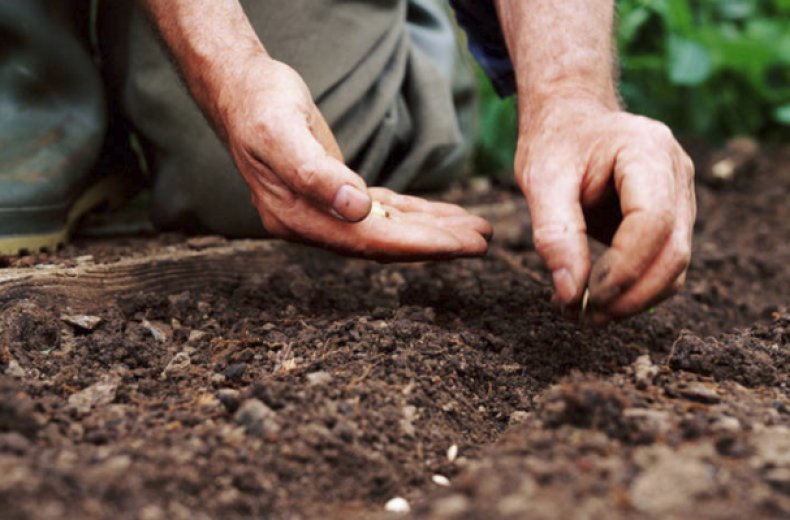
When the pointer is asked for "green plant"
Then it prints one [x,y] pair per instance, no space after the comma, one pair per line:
[713,68]
[709,68]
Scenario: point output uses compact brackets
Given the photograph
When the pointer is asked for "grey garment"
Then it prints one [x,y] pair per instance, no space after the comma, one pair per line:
[387,75]
[52,117]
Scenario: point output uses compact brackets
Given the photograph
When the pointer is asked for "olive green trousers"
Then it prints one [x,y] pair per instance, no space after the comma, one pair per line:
[388,76]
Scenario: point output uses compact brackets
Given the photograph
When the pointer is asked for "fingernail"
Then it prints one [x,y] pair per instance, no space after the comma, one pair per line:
[564,285]
[351,203]
[604,295]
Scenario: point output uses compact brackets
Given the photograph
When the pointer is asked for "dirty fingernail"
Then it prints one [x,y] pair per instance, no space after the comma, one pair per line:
[564,285]
[603,295]
[351,203]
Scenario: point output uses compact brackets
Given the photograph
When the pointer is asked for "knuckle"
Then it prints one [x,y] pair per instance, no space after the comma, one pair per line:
[307,176]
[662,132]
[662,217]
[551,237]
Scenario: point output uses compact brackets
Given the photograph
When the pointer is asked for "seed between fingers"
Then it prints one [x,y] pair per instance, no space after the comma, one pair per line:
[378,210]
[585,304]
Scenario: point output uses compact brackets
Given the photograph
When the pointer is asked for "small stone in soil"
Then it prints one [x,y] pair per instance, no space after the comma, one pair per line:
[700,393]
[645,372]
[235,371]
[98,394]
[178,365]
[195,335]
[257,418]
[14,369]
[230,398]
[159,331]
[518,417]
[82,322]
[319,378]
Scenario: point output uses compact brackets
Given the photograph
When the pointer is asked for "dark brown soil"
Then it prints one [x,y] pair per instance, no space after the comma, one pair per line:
[329,386]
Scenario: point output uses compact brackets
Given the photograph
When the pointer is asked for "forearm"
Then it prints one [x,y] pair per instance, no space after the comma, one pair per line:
[560,49]
[211,41]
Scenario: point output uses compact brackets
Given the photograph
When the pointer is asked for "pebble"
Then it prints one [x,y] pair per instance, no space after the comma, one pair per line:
[645,372]
[518,417]
[319,378]
[397,505]
[230,398]
[178,365]
[441,480]
[725,423]
[235,371]
[83,322]
[658,421]
[196,335]
[406,423]
[98,394]
[14,369]
[257,418]
[701,393]
[159,331]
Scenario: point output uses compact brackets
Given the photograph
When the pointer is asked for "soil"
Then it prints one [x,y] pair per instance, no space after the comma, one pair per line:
[328,386]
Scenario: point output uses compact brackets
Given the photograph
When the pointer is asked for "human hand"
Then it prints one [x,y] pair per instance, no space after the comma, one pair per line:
[304,192]
[623,179]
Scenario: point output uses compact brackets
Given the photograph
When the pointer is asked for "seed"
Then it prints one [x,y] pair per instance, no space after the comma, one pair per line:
[452,453]
[441,480]
[397,505]
[585,303]
[378,210]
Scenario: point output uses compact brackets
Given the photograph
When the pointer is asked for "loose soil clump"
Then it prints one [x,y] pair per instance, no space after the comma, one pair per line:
[324,387]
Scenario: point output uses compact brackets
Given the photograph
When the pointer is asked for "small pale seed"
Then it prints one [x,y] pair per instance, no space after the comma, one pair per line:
[452,453]
[397,505]
[378,210]
[585,304]
[441,480]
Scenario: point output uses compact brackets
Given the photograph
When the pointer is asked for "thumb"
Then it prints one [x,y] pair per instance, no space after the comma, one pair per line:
[558,229]
[311,164]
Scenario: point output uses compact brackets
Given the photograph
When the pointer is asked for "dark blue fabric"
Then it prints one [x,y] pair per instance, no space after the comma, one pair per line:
[486,42]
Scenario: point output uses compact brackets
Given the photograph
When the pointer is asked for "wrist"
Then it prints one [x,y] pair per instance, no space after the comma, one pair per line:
[225,84]
[567,96]
[561,107]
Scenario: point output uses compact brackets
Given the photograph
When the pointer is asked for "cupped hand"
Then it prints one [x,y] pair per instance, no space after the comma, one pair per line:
[621,178]
[304,192]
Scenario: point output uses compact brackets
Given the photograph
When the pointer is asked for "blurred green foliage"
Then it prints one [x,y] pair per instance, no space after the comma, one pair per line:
[709,68]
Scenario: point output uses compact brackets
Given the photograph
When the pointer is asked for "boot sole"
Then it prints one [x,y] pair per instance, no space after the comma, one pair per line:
[112,191]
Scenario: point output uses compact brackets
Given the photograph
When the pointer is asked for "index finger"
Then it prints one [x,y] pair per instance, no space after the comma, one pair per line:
[646,185]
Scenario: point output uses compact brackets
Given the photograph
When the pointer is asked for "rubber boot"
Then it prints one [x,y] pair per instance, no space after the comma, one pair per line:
[52,122]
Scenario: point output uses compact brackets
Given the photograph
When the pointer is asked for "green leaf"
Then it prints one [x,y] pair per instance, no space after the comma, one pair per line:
[630,23]
[678,16]
[689,62]
[782,114]
[736,9]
